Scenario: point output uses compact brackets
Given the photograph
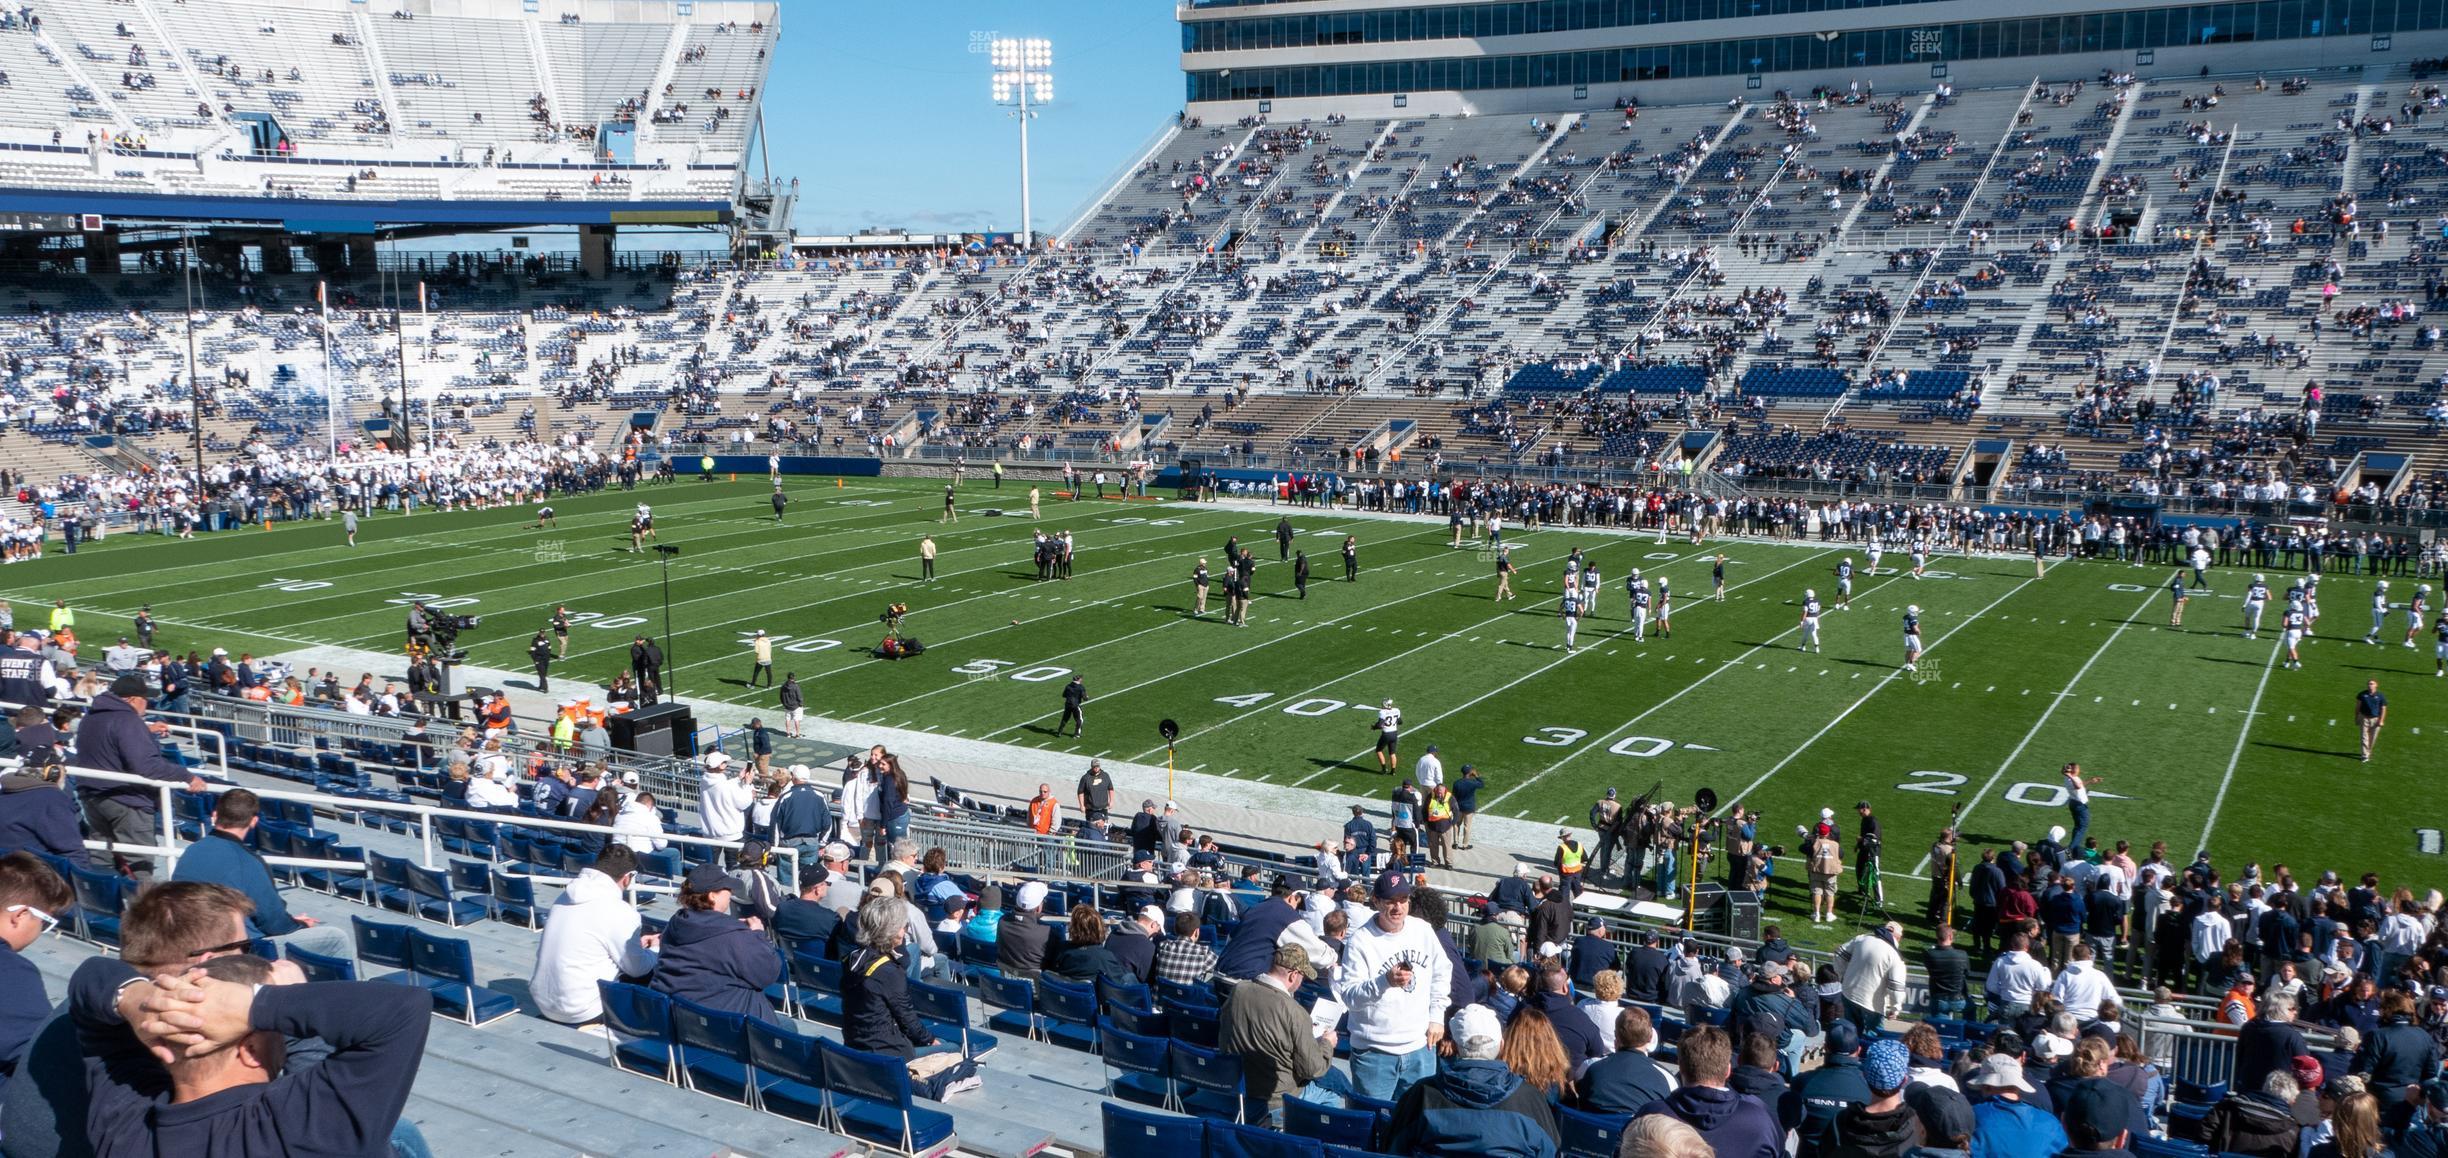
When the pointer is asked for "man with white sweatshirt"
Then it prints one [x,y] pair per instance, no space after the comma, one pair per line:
[723,799]
[591,934]
[1397,981]
[2082,987]
[1871,968]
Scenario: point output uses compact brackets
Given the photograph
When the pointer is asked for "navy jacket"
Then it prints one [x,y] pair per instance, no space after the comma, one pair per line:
[1572,1027]
[1023,941]
[1735,1125]
[1252,947]
[1591,954]
[222,859]
[1823,1093]
[23,1006]
[801,815]
[1646,973]
[347,1104]
[808,923]
[1476,1108]
[35,816]
[717,961]
[1136,950]
[1621,1083]
[113,738]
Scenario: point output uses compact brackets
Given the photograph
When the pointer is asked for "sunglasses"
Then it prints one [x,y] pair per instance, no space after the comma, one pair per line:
[49,922]
[240,945]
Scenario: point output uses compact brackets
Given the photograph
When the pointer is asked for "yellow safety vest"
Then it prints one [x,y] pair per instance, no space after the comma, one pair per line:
[565,729]
[1439,809]
[1568,857]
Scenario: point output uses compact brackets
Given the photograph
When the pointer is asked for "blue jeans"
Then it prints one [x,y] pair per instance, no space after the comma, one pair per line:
[2082,825]
[409,1142]
[1331,1089]
[1384,1076]
[1947,1007]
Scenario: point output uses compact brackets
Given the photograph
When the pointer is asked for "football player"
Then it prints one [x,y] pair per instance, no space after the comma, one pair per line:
[1591,585]
[2311,603]
[1810,622]
[1665,610]
[2256,598]
[2440,629]
[1638,589]
[1920,553]
[1389,736]
[2297,624]
[2176,599]
[1912,637]
[2414,612]
[2380,610]
[1572,617]
[1844,584]
[1875,552]
[1717,577]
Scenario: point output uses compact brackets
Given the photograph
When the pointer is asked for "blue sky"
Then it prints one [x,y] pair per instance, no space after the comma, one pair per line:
[883,111]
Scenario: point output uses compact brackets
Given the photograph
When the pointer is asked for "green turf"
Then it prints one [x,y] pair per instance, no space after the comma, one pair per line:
[2023,673]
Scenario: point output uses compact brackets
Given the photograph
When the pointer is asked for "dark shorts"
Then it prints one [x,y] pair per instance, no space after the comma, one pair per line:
[1386,741]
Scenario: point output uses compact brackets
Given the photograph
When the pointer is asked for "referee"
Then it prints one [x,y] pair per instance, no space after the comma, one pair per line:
[1075,696]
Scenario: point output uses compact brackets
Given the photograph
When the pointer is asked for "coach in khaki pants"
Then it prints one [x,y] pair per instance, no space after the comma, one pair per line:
[2371,711]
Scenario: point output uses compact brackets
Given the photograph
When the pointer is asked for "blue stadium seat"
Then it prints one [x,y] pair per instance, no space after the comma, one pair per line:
[1354,1128]
[1145,1065]
[1016,998]
[447,966]
[514,899]
[946,1013]
[1146,1022]
[100,899]
[430,891]
[318,967]
[1068,1012]
[1209,1082]
[872,1102]
[1234,1140]
[1588,1135]
[790,1073]
[1133,1133]
[816,987]
[384,945]
[643,1017]
[713,1048]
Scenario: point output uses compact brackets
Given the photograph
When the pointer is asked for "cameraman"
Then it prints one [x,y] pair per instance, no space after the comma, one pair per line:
[420,627]
[1866,855]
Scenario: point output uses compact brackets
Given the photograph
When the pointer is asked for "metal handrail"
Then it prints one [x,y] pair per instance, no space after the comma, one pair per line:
[424,814]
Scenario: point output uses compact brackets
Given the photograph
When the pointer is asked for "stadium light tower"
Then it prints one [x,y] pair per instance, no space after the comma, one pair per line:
[1024,75]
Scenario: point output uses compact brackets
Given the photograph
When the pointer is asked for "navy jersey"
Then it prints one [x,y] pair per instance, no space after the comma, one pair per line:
[1810,609]
[2257,593]
[1844,571]
[1912,624]
[1718,572]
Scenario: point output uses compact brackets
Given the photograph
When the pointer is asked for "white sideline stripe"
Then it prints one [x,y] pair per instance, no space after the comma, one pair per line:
[1889,678]
[2250,714]
[1551,664]
[2055,702]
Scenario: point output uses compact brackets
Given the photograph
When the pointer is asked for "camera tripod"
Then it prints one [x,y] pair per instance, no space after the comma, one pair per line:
[1869,893]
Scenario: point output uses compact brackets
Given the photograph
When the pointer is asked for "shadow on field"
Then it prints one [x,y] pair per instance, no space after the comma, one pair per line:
[2346,755]
[1325,765]
[2222,659]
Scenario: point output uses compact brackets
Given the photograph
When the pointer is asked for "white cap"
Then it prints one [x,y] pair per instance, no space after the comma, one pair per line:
[1032,896]
[802,773]
[2057,833]
[1472,1022]
[1151,913]
[1827,814]
[716,760]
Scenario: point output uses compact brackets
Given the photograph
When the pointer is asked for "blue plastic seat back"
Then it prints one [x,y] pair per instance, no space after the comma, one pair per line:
[1234,1140]
[319,967]
[1306,1119]
[382,944]
[713,1049]
[1133,1133]
[1588,1135]
[1147,1022]
[1067,1003]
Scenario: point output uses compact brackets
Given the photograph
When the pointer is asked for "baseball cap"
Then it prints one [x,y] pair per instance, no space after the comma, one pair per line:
[1393,885]
[707,878]
[1149,803]
[1827,814]
[1151,913]
[1774,971]
[836,851]
[2049,1047]
[1032,896]
[1432,747]
[802,773]
[1842,1038]
[1610,793]
[2308,1071]
[2093,1114]
[1295,958]
[1887,1064]
[716,759]
[1999,1072]
[2435,1092]
[215,651]
[130,685]
[1473,1021]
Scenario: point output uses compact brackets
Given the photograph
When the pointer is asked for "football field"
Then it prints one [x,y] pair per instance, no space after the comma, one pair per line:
[2200,734]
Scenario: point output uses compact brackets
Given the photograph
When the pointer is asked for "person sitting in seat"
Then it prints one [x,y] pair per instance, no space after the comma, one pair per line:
[715,959]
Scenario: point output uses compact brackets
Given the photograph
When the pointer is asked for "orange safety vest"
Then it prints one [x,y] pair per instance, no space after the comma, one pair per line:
[1041,814]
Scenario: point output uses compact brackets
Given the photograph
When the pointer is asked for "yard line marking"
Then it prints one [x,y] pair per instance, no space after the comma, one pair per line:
[1875,689]
[2250,712]
[2037,725]
[1541,670]
[1712,673]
